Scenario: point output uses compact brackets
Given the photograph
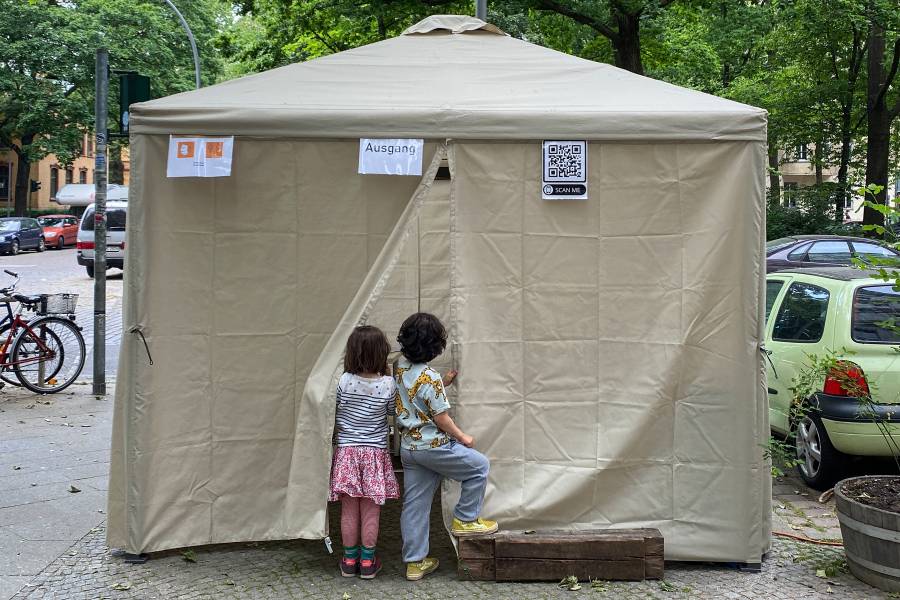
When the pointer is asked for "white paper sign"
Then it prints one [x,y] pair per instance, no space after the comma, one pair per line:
[564,174]
[390,157]
[199,156]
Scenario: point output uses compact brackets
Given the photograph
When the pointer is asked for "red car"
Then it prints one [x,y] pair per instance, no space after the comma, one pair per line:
[59,230]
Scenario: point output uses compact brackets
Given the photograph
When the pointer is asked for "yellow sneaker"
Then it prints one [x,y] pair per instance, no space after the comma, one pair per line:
[417,570]
[477,527]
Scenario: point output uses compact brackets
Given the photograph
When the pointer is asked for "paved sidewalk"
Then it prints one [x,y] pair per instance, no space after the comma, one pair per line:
[52,541]
[47,445]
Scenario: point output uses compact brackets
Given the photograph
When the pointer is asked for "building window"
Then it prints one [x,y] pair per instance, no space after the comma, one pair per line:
[89,145]
[70,173]
[82,175]
[803,153]
[54,181]
[790,194]
[5,179]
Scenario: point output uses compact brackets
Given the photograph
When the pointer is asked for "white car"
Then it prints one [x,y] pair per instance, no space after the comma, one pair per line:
[116,213]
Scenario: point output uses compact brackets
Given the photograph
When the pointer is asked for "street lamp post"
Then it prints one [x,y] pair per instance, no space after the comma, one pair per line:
[481,9]
[190,35]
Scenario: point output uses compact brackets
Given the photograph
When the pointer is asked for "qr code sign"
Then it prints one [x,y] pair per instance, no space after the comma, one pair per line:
[565,161]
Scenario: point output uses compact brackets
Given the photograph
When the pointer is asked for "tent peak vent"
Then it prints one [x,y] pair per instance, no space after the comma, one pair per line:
[453,24]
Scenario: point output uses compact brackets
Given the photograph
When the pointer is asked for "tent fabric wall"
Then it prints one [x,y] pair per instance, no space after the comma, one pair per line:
[237,284]
[640,307]
[609,348]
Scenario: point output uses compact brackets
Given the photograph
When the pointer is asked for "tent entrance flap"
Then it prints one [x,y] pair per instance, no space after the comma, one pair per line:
[388,294]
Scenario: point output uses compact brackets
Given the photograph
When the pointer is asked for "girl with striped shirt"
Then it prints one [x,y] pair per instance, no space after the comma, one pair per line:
[362,476]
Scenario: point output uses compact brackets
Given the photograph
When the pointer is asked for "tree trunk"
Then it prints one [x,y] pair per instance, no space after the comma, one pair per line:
[116,166]
[23,176]
[774,176]
[844,163]
[627,44]
[817,162]
[878,129]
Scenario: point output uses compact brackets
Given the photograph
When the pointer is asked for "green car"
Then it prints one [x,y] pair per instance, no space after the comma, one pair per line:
[833,308]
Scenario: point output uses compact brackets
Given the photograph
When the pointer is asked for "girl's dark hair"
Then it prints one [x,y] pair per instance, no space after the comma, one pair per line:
[367,351]
[422,337]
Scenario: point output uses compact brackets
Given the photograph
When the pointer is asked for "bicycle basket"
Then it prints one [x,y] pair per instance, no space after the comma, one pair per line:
[58,304]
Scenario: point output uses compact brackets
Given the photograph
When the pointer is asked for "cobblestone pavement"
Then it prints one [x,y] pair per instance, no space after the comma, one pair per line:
[303,569]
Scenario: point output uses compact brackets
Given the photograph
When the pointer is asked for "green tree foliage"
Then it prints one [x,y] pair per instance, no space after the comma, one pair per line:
[47,65]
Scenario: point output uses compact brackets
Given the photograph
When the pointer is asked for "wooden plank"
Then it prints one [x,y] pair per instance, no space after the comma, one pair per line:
[476,547]
[559,545]
[519,569]
[476,569]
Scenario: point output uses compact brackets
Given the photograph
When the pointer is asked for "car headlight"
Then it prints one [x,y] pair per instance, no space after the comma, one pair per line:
[49,234]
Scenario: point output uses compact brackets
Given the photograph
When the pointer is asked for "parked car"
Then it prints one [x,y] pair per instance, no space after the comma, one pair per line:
[812,311]
[59,230]
[116,213]
[822,251]
[21,233]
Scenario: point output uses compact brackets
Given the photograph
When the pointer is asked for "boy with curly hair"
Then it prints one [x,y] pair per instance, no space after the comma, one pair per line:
[432,446]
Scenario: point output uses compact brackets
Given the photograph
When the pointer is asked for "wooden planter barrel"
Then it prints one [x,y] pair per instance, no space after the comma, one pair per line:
[871,540]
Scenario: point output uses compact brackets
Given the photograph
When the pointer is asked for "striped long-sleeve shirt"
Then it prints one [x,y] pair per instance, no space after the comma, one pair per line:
[363,406]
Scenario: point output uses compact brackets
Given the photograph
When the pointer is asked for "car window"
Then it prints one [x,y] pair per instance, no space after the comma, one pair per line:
[876,315]
[773,288]
[115,220]
[800,253]
[779,243]
[802,315]
[10,225]
[50,221]
[830,252]
[869,249]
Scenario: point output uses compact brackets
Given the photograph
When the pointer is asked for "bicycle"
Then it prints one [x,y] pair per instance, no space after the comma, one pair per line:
[46,353]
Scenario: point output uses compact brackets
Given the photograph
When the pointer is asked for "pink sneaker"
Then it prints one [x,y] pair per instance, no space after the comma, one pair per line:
[349,567]
[368,569]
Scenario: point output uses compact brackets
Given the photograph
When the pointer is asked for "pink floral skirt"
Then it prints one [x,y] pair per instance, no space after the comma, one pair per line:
[363,472]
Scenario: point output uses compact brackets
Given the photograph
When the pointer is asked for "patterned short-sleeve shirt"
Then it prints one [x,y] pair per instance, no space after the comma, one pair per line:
[420,396]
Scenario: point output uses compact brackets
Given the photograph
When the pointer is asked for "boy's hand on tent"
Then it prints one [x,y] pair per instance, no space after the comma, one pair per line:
[450,377]
[466,440]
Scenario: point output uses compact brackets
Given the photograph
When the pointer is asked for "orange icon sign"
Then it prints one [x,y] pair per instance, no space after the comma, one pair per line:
[185,150]
[214,149]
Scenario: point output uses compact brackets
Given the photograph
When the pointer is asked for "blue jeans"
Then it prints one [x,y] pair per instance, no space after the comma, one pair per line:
[422,472]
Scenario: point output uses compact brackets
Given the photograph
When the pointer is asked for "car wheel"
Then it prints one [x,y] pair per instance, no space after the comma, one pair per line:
[90,271]
[42,245]
[60,243]
[14,247]
[820,465]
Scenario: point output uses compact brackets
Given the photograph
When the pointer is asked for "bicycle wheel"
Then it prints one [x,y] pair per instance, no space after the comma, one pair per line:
[6,373]
[49,355]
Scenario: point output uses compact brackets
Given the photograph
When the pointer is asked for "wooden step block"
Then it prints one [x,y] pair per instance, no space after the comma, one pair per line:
[623,554]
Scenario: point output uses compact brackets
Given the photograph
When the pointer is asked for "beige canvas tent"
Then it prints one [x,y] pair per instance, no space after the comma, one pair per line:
[609,348]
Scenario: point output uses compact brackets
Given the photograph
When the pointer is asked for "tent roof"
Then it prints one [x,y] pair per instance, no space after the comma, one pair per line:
[451,77]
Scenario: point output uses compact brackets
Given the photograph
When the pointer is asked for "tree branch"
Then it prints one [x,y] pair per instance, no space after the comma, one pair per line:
[892,72]
[567,11]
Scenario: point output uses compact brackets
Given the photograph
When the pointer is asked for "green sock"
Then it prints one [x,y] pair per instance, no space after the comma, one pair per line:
[351,552]
[368,553]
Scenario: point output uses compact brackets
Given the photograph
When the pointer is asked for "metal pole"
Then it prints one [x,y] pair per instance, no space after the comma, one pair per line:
[190,35]
[481,9]
[101,89]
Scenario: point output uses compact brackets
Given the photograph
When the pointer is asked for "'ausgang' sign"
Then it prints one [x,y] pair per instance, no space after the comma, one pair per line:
[390,157]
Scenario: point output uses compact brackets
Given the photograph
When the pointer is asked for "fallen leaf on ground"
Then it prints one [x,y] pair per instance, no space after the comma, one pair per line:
[73,489]
[121,586]
[821,573]
[189,556]
[229,582]
[346,596]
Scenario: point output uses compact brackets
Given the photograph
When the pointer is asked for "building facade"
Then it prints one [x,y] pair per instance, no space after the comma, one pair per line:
[798,171]
[51,175]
